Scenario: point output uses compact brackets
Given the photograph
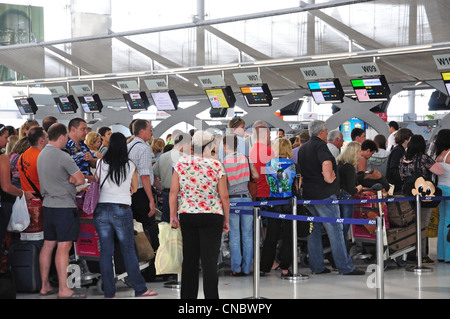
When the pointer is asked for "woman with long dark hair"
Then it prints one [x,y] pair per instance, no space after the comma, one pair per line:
[416,158]
[113,216]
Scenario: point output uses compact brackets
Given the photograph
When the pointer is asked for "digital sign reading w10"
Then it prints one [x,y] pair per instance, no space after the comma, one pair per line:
[371,89]
[327,91]
[446,78]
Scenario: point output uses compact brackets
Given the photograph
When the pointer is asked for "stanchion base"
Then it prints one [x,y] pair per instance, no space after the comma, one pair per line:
[173,284]
[362,256]
[419,270]
[296,277]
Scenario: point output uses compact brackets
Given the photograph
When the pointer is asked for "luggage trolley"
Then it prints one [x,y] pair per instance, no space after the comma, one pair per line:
[363,236]
[87,249]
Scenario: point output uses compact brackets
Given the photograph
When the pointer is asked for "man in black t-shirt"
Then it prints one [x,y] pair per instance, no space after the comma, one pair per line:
[320,181]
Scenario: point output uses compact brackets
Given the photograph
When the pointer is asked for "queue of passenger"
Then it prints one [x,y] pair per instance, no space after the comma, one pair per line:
[199,174]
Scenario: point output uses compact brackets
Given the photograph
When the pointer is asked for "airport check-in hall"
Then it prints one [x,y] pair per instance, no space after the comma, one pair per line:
[197,64]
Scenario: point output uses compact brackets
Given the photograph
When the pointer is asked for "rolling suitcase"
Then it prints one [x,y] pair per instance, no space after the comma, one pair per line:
[24,262]
[400,238]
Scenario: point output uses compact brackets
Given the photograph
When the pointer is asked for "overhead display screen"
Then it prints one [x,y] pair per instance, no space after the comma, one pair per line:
[329,91]
[371,89]
[26,106]
[257,95]
[91,103]
[221,98]
[136,102]
[165,101]
[446,78]
[66,104]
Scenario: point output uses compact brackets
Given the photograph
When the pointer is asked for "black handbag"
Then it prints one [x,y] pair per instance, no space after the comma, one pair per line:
[7,285]
[7,282]
[304,228]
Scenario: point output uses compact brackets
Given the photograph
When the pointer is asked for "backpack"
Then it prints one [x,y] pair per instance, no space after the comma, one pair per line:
[420,185]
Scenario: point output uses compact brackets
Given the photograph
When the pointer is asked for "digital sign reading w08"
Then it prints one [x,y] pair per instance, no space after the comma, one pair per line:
[327,91]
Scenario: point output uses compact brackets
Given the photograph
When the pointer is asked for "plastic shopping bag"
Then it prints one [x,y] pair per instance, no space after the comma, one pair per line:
[169,256]
[20,218]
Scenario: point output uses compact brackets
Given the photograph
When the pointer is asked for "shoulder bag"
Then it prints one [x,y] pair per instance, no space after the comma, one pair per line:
[93,192]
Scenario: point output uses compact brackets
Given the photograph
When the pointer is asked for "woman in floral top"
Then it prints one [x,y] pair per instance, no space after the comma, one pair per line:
[203,214]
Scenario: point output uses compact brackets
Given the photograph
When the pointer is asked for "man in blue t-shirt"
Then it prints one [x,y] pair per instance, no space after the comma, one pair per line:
[78,150]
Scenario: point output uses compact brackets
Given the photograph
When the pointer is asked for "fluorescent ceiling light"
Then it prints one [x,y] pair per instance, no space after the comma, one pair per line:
[333,56]
[56,79]
[415,48]
[130,74]
[24,82]
[173,70]
[223,66]
[91,76]
[273,61]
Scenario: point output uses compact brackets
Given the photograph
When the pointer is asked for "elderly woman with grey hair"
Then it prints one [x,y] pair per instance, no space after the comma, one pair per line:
[202,214]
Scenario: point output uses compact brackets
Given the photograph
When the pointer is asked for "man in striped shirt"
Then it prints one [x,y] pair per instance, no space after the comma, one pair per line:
[141,154]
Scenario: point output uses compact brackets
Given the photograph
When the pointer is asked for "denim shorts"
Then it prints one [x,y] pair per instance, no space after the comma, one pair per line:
[61,224]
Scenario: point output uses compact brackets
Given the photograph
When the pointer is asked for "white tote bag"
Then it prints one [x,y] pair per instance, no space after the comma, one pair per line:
[20,218]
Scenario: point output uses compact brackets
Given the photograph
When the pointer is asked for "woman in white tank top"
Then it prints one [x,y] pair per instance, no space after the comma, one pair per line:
[443,157]
[113,215]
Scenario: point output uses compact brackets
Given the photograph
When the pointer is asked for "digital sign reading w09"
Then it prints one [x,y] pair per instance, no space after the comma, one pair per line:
[371,89]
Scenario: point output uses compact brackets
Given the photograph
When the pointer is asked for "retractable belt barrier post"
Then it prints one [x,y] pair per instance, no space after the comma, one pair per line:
[418,269]
[256,252]
[295,276]
[379,275]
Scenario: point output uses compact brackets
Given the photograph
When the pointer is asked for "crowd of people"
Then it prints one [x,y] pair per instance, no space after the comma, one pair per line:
[198,175]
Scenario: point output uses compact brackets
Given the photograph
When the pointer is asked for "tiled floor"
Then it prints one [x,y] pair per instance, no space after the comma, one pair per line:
[398,284]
